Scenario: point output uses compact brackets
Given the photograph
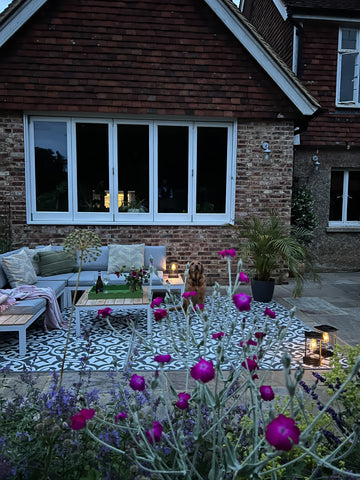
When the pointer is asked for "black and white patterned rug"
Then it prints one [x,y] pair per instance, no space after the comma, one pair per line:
[103,346]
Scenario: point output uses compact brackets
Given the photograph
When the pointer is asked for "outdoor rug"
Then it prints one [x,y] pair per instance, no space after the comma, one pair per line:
[104,346]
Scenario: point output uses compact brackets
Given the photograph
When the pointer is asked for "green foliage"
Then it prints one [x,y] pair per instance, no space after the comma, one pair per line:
[271,244]
[303,215]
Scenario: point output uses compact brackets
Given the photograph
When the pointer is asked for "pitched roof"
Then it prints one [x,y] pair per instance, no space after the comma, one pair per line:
[325,7]
[20,11]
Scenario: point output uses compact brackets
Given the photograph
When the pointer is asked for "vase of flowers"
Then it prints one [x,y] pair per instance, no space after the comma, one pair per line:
[135,278]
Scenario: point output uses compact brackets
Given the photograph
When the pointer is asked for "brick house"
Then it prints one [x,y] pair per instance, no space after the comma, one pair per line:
[320,41]
[103,103]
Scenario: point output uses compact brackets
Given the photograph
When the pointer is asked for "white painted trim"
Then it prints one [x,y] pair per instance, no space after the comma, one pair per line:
[268,63]
[282,9]
[16,21]
[352,19]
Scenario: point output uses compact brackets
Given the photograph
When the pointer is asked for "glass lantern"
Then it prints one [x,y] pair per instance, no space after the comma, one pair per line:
[313,344]
[329,339]
[173,270]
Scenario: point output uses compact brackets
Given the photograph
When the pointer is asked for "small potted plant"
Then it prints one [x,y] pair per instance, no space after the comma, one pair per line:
[270,244]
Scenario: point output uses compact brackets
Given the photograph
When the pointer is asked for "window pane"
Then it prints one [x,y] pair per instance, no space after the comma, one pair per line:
[133,167]
[211,169]
[173,148]
[353,212]
[347,77]
[336,196]
[348,39]
[92,166]
[51,176]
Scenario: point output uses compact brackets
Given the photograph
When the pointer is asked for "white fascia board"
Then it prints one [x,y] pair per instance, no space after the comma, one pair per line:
[17,20]
[282,9]
[264,59]
[299,16]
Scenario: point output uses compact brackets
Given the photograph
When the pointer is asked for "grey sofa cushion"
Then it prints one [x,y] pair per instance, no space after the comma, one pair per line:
[27,307]
[19,269]
[100,264]
[159,256]
[57,285]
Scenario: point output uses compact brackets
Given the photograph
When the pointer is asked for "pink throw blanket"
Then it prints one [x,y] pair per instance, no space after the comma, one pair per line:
[52,317]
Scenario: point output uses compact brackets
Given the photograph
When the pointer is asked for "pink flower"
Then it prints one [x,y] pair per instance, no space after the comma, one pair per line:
[162,358]
[218,335]
[243,277]
[251,342]
[203,371]
[260,335]
[267,393]
[159,314]
[105,312]
[120,416]
[78,421]
[183,403]
[269,313]
[242,302]
[250,364]
[282,432]
[228,253]
[188,294]
[154,433]
[200,306]
[156,302]
[137,383]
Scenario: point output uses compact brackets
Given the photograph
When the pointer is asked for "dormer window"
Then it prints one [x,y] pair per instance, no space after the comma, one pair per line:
[348,93]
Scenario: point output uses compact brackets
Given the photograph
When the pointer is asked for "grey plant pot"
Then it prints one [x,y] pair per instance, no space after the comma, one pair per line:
[262,291]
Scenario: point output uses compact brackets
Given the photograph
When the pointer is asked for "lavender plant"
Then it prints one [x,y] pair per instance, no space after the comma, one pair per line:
[225,423]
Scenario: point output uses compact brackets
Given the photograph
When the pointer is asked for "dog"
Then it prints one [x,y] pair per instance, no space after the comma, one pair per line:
[195,282]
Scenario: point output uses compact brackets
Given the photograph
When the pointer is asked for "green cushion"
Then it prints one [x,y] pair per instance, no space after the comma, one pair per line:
[54,263]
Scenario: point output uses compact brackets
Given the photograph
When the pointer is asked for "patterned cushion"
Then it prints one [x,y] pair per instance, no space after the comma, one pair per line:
[130,256]
[34,259]
[55,262]
[19,269]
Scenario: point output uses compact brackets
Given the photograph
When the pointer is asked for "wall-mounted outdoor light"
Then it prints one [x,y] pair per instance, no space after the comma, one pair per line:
[316,162]
[267,151]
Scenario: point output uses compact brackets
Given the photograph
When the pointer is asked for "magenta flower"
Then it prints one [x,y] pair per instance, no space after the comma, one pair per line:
[200,306]
[203,371]
[156,302]
[162,358]
[159,314]
[137,382]
[250,364]
[183,402]
[242,302]
[120,416]
[251,342]
[188,294]
[269,313]
[105,312]
[218,335]
[243,277]
[282,432]
[154,433]
[267,393]
[228,253]
[78,421]
[260,335]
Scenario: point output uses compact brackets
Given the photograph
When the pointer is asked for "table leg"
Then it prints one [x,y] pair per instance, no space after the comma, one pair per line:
[77,321]
[149,320]
[22,342]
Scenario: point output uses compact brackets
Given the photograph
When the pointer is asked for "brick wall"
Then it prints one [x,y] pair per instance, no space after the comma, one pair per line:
[334,250]
[260,185]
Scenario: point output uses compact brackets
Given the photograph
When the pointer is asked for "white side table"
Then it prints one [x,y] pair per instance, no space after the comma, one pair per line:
[171,283]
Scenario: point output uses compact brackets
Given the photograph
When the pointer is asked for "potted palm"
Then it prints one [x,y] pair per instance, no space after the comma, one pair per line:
[270,244]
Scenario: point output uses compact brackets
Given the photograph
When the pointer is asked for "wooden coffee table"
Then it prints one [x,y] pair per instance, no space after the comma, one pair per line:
[115,304]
